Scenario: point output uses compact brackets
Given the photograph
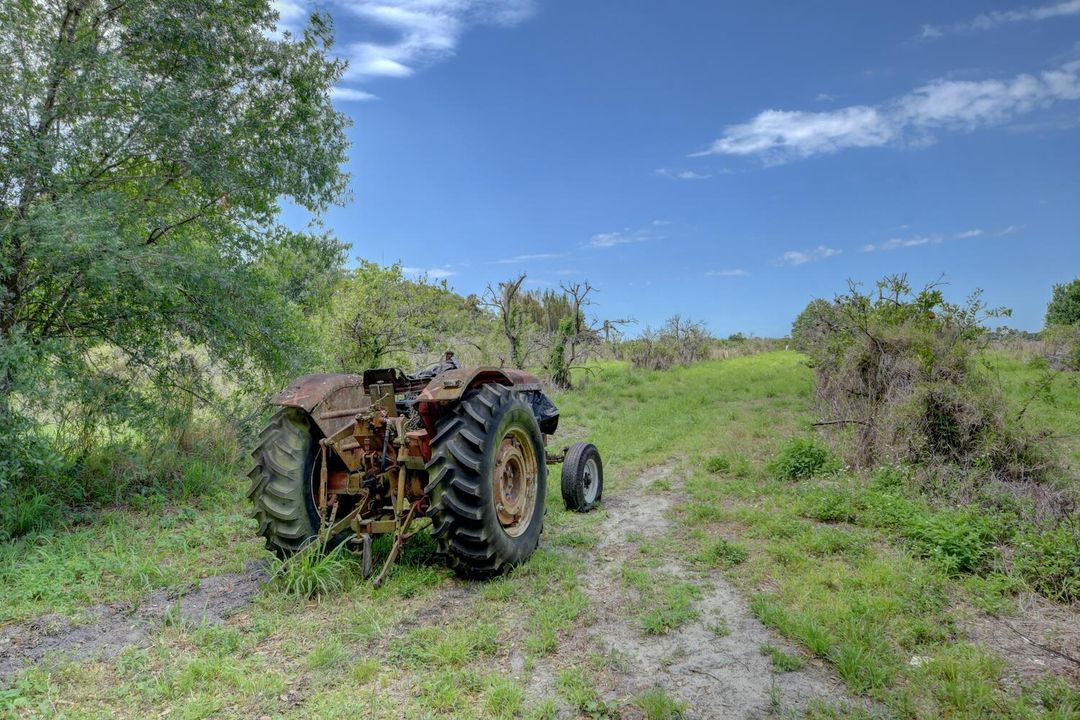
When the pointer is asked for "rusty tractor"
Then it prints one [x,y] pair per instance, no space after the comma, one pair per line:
[459,451]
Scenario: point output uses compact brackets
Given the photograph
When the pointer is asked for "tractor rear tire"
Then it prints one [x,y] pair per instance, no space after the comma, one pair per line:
[280,482]
[487,482]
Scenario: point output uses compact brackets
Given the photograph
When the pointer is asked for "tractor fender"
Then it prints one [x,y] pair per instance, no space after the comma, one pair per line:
[452,384]
[447,388]
[332,400]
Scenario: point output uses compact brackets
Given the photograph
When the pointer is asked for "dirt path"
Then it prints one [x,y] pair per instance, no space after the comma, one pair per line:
[105,630]
[717,677]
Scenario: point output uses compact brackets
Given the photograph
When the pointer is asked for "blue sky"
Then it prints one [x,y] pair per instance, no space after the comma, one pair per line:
[725,161]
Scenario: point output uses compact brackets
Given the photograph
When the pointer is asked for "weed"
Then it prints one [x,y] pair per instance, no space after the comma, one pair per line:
[329,651]
[447,647]
[671,608]
[722,553]
[656,704]
[782,661]
[503,697]
[1049,561]
[718,464]
[720,628]
[364,671]
[313,573]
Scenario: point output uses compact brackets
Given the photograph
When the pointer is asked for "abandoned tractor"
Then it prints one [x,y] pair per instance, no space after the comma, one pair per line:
[460,451]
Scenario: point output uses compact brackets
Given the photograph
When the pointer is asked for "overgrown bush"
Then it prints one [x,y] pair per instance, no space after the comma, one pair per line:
[897,372]
[679,342]
[802,458]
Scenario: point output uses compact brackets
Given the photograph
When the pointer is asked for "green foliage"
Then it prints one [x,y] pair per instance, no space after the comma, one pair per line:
[377,318]
[1049,560]
[557,367]
[960,541]
[802,458]
[1064,307]
[815,324]
[147,147]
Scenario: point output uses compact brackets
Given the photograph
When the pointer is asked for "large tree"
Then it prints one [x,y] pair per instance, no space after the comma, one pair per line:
[1064,307]
[144,148]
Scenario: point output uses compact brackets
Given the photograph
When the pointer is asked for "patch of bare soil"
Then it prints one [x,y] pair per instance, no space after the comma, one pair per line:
[1040,638]
[717,677]
[105,630]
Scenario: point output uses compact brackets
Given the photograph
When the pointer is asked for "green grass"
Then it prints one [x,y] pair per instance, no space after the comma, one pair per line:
[853,570]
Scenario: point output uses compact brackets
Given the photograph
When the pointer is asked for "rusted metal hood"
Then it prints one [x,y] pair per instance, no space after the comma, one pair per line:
[308,391]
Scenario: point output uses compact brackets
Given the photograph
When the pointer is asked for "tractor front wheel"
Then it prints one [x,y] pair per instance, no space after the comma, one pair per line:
[487,482]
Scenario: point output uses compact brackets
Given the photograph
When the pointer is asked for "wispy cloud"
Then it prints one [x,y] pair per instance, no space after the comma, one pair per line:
[436,273]
[896,243]
[677,174]
[627,235]
[801,257]
[413,34]
[1011,230]
[996,18]
[351,95]
[957,105]
[727,273]
[527,258]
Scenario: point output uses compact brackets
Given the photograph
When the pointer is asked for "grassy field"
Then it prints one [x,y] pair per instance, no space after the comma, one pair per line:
[860,576]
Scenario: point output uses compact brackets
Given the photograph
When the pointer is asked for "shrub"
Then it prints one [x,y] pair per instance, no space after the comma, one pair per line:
[801,458]
[679,342]
[1049,561]
[897,373]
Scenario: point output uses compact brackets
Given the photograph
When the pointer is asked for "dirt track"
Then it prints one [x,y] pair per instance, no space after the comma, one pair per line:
[105,630]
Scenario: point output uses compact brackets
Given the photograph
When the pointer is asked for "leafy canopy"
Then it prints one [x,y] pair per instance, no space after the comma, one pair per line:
[1064,308]
[144,148]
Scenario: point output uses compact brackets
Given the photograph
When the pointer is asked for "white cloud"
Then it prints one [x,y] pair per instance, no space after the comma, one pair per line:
[824,97]
[960,105]
[351,95]
[800,257]
[675,174]
[627,235]
[436,273]
[417,33]
[974,232]
[1011,230]
[897,242]
[727,273]
[611,239]
[996,18]
[527,258]
[425,31]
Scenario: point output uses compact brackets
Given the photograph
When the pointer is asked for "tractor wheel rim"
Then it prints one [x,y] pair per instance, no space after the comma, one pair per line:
[590,480]
[515,482]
